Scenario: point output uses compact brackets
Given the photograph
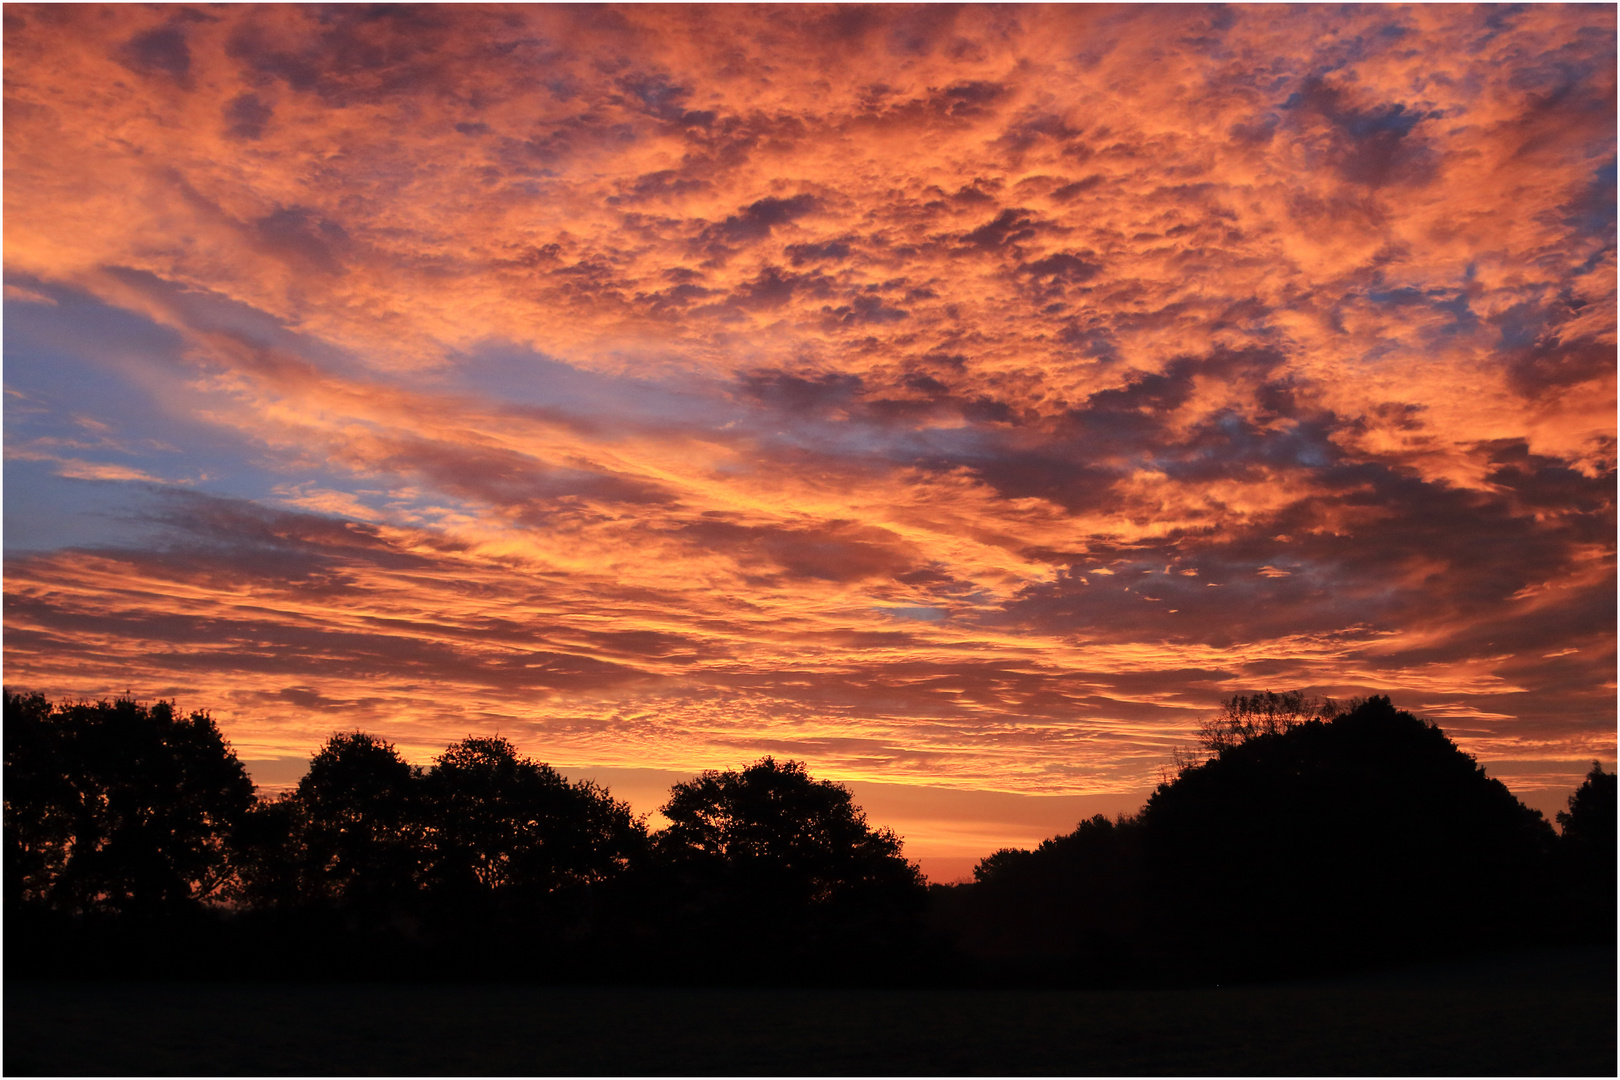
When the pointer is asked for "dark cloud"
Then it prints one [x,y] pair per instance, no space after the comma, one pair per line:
[1592,211]
[797,394]
[756,220]
[663,184]
[1256,132]
[865,309]
[1425,552]
[512,482]
[303,237]
[1544,358]
[1078,187]
[1063,266]
[831,551]
[926,383]
[1033,127]
[160,50]
[558,143]
[1551,486]
[352,54]
[968,99]
[1009,227]
[1373,144]
[237,523]
[1071,482]
[986,410]
[246,116]
[827,251]
[772,289]
[661,98]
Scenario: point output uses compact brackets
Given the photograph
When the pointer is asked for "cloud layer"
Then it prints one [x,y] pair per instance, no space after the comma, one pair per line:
[959,395]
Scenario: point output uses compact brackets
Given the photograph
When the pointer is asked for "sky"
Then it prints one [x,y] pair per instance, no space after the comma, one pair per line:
[962,400]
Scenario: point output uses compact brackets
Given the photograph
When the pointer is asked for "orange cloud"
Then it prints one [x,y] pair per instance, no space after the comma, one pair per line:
[969,395]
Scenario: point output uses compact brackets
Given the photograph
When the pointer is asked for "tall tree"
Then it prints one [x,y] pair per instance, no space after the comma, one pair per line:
[1588,852]
[775,860]
[118,807]
[502,828]
[357,833]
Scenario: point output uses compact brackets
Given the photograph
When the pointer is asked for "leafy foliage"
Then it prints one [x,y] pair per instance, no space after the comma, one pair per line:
[1250,716]
[1588,852]
[1304,842]
[356,837]
[1309,837]
[497,823]
[1078,897]
[1309,844]
[800,840]
[1590,819]
[767,863]
[117,807]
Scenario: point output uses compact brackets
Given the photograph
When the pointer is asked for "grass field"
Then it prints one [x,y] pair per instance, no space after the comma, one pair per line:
[1550,1012]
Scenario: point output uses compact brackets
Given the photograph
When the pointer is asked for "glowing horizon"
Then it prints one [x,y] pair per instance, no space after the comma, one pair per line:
[967,398]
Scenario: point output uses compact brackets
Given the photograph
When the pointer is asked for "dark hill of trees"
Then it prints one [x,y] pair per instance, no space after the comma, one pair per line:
[1306,838]
[1309,840]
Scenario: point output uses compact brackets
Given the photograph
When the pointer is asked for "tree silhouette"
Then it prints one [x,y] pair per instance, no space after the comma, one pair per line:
[40,802]
[1248,716]
[117,807]
[773,860]
[1590,819]
[504,832]
[1303,843]
[356,832]
[1588,853]
[1370,836]
[1074,904]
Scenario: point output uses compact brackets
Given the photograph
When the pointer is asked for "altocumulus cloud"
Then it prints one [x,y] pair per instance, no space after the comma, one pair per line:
[949,394]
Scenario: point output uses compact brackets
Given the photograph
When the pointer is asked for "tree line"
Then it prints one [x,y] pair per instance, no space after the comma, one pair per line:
[1305,836]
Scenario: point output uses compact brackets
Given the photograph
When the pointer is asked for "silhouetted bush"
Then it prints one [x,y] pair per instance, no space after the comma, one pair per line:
[476,865]
[346,844]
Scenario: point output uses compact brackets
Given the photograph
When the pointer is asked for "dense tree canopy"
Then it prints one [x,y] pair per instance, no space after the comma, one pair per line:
[497,823]
[356,829]
[775,864]
[770,824]
[1589,854]
[1367,834]
[1309,837]
[1306,837]
[117,807]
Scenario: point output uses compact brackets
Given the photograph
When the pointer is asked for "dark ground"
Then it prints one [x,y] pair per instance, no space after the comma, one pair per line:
[1548,1012]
